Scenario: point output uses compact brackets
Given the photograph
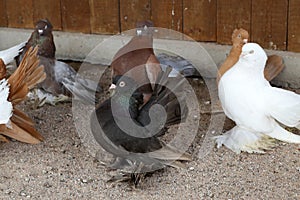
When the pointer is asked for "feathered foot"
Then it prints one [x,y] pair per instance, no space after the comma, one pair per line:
[40,97]
[238,140]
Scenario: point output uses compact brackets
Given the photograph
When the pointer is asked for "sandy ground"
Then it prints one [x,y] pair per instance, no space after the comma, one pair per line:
[61,167]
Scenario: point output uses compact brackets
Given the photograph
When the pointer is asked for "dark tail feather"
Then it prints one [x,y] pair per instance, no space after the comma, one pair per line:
[170,94]
[179,65]
[83,89]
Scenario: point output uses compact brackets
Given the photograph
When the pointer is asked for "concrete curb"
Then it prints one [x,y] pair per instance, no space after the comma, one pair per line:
[79,47]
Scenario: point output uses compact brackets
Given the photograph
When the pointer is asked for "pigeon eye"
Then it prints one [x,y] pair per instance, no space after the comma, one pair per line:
[251,52]
[122,84]
[239,35]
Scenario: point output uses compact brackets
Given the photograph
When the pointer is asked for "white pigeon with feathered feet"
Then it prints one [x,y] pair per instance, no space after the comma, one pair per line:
[257,108]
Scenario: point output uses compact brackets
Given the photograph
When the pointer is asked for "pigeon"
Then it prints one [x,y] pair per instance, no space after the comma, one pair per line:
[13,122]
[62,80]
[137,147]
[240,37]
[258,109]
[137,59]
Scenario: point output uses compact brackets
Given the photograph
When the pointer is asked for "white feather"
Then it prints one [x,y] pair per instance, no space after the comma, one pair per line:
[9,55]
[249,100]
[5,106]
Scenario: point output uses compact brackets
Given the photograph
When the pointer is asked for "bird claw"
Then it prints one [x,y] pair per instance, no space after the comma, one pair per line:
[39,98]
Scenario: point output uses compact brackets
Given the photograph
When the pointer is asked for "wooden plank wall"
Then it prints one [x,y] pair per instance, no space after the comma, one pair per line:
[275,24]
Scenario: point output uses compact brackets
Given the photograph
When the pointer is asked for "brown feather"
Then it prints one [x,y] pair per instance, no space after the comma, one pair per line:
[3,139]
[26,76]
[18,133]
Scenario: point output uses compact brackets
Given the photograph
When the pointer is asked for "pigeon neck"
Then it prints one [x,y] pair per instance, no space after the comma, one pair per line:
[144,41]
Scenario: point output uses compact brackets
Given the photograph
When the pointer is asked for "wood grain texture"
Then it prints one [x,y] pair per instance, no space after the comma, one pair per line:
[167,14]
[20,13]
[105,17]
[132,11]
[76,16]
[269,23]
[3,14]
[50,10]
[200,19]
[232,14]
[294,26]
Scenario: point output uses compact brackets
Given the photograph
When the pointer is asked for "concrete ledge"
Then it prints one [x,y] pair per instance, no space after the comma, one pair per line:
[79,47]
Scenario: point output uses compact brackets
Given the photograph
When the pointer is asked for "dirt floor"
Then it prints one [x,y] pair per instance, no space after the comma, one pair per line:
[62,167]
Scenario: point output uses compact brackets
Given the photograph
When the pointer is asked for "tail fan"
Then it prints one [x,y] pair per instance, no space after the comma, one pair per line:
[27,75]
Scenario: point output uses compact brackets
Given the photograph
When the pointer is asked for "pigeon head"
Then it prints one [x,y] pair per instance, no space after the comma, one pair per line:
[124,84]
[43,27]
[126,90]
[252,52]
[240,37]
[144,27]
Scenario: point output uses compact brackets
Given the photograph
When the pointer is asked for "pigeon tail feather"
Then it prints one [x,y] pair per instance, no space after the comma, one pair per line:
[82,89]
[281,134]
[9,55]
[284,106]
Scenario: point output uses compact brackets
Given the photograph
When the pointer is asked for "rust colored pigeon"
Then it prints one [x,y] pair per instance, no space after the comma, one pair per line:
[240,37]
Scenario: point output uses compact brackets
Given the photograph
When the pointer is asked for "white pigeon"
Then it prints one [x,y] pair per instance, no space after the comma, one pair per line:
[9,55]
[257,108]
[5,106]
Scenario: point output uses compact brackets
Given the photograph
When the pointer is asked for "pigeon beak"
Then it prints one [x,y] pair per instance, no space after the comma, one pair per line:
[245,41]
[112,89]
[139,32]
[40,31]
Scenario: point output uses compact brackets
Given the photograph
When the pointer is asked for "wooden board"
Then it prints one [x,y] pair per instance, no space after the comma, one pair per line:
[105,17]
[294,26]
[3,14]
[167,14]
[20,13]
[200,19]
[76,16]
[51,11]
[232,14]
[269,23]
[132,11]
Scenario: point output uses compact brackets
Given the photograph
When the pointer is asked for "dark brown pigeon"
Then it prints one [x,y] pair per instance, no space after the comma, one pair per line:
[62,80]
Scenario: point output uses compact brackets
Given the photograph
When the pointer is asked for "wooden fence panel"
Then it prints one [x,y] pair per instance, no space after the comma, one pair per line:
[20,13]
[269,23]
[200,19]
[105,17]
[167,14]
[76,16]
[294,26]
[3,14]
[232,14]
[48,9]
[132,11]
